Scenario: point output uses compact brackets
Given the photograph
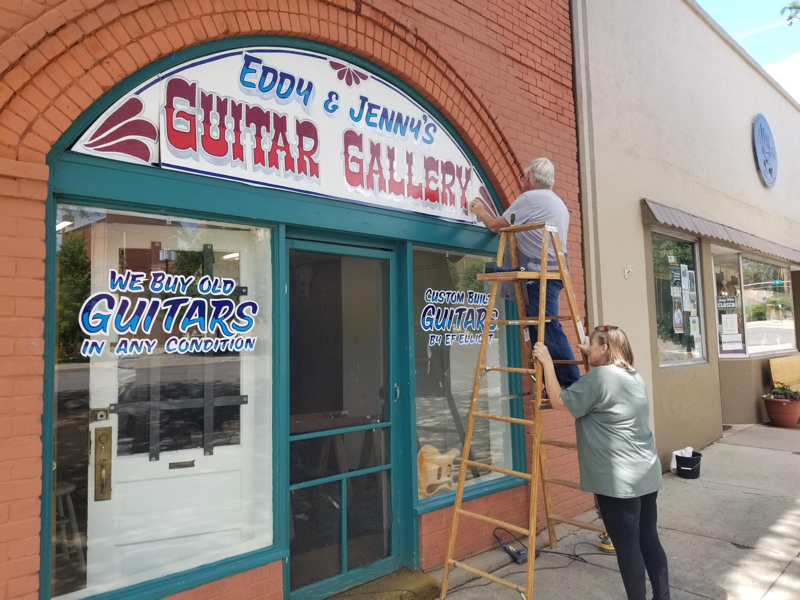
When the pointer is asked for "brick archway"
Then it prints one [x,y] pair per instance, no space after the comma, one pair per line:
[65,59]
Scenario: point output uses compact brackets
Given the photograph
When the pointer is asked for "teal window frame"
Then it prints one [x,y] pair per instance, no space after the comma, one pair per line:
[101,183]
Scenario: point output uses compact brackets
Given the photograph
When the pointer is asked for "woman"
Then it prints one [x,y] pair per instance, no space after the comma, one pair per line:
[616,454]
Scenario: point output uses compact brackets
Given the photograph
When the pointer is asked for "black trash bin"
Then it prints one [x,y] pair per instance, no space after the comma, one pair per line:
[689,466]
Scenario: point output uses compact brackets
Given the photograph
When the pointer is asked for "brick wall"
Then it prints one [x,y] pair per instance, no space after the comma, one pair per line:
[500,72]
[23,190]
[264,583]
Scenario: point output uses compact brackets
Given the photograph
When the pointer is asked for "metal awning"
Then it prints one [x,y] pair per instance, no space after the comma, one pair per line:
[655,213]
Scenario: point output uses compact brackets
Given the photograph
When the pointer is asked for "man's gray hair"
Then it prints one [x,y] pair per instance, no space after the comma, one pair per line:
[541,170]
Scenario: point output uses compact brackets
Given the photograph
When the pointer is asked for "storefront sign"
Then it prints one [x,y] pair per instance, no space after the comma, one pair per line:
[210,313]
[293,120]
[726,302]
[764,150]
[455,317]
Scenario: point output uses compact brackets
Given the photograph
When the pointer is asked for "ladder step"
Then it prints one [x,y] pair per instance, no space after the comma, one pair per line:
[529,322]
[581,524]
[480,465]
[530,372]
[510,370]
[511,397]
[491,521]
[480,415]
[527,227]
[518,276]
[571,484]
[488,576]
[570,445]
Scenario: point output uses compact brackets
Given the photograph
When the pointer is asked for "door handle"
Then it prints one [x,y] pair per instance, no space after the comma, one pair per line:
[396,392]
[102,464]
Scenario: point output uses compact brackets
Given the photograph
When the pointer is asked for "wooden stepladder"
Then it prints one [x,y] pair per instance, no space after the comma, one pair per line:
[539,463]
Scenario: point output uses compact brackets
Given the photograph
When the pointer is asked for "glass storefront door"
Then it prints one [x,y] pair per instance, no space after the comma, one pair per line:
[163,397]
[342,398]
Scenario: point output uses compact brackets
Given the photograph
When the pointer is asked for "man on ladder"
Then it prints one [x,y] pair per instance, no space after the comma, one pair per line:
[538,203]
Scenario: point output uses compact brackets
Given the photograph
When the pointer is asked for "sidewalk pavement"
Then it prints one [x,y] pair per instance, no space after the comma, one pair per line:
[732,534]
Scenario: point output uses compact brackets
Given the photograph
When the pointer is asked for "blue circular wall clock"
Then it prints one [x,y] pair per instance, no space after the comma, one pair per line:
[764,149]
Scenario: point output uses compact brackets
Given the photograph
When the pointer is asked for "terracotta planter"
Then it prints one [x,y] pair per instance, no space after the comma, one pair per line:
[782,413]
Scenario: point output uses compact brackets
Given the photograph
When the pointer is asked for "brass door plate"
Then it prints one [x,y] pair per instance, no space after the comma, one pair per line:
[102,464]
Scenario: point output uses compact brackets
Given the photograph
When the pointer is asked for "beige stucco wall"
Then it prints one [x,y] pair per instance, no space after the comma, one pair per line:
[744,377]
[665,104]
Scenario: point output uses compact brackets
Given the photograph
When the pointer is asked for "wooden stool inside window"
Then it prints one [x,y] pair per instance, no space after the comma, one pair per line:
[67,542]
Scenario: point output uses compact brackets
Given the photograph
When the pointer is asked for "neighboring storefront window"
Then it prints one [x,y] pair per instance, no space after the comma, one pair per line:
[678,306]
[730,316]
[449,306]
[768,308]
[162,396]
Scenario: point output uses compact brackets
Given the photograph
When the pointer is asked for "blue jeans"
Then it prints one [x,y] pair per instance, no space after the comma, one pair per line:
[554,337]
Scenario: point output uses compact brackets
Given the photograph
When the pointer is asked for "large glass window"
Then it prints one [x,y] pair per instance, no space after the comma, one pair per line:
[162,396]
[730,316]
[449,307]
[678,306]
[768,309]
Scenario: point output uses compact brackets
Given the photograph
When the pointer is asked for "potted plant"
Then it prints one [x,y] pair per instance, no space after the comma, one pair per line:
[783,405]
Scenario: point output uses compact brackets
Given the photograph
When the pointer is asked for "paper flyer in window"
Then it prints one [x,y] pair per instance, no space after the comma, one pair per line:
[692,304]
[692,283]
[698,346]
[694,326]
[687,300]
[732,341]
[675,280]
[730,324]
[685,278]
[677,315]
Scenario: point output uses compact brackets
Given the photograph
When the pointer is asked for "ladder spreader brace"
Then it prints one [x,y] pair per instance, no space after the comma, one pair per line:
[533,369]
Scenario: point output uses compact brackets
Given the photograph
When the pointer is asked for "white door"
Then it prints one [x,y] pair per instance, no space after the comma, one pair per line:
[190,477]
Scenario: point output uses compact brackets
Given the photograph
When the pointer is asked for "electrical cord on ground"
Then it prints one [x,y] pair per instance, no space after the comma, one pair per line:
[573,556]
[601,553]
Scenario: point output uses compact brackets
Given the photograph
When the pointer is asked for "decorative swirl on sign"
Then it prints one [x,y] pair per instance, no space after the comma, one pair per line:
[347,73]
[123,133]
[486,201]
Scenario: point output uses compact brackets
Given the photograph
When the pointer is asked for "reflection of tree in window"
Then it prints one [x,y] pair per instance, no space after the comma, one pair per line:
[683,253]
[468,278]
[74,284]
[188,264]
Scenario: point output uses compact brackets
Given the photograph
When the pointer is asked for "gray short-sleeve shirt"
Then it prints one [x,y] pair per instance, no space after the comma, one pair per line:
[616,450]
[532,207]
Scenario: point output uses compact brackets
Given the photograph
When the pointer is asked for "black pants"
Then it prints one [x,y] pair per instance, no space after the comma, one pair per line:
[631,525]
